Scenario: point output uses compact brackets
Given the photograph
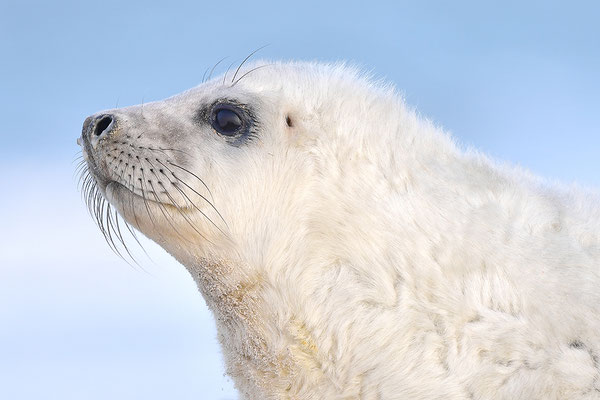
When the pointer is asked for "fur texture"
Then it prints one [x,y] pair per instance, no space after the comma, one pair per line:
[361,253]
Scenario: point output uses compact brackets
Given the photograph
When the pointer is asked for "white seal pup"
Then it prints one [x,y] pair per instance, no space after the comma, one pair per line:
[350,250]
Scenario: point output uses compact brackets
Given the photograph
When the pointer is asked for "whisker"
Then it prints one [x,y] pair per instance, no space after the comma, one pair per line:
[182,213]
[83,174]
[104,216]
[131,200]
[204,75]
[146,201]
[168,218]
[120,235]
[100,210]
[215,66]
[226,72]
[246,74]
[193,190]
[109,227]
[246,59]
[194,175]
[80,165]
[202,212]
[189,200]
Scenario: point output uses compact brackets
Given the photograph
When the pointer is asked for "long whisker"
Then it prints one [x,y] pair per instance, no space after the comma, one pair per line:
[175,165]
[194,175]
[145,200]
[182,215]
[246,59]
[110,224]
[204,75]
[132,208]
[252,70]
[226,72]
[80,166]
[164,211]
[215,66]
[189,200]
[102,210]
[196,192]
[104,216]
[131,231]
[202,212]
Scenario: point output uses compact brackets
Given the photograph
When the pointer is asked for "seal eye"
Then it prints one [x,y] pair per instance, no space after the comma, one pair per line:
[227,121]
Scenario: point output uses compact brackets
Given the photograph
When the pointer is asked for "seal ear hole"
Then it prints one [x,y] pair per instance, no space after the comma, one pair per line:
[288,121]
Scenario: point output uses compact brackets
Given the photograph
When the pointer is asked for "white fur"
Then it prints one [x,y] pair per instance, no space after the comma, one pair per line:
[366,256]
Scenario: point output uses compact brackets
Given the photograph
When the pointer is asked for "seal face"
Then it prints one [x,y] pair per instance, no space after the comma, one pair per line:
[348,248]
[144,160]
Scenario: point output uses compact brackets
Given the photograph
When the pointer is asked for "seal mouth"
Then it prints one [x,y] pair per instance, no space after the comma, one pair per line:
[117,190]
[112,189]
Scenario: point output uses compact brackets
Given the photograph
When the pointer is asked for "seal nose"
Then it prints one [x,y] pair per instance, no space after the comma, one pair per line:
[96,127]
[103,125]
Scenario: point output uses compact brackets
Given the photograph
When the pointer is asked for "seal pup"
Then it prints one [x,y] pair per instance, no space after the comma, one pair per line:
[348,248]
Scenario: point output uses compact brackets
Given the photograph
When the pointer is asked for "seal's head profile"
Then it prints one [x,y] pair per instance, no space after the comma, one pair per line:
[234,169]
[347,247]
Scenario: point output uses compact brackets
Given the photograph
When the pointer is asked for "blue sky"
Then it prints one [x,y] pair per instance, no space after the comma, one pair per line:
[518,80]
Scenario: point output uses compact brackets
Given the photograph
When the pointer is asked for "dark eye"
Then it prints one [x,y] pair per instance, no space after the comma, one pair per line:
[227,121]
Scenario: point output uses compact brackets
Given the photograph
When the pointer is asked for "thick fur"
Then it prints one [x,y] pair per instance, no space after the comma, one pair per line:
[361,253]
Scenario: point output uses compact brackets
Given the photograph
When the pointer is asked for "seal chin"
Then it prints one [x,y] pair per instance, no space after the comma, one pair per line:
[114,191]
[118,195]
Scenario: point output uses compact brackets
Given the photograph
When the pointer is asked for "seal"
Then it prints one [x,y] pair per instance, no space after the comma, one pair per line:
[348,248]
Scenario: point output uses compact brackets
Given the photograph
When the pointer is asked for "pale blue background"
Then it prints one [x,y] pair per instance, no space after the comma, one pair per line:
[518,80]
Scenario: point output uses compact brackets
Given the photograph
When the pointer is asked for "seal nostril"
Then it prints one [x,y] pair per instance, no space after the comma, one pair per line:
[102,125]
